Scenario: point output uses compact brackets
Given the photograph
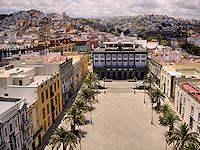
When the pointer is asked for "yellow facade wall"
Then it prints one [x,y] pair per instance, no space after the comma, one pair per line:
[84,66]
[50,102]
[33,117]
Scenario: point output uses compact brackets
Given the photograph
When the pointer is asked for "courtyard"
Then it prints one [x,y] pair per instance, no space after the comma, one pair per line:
[122,121]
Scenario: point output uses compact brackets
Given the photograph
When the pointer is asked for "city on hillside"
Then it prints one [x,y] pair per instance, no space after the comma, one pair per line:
[123,82]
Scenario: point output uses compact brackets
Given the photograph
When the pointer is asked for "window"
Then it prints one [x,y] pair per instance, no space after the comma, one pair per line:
[199,117]
[56,100]
[30,117]
[184,101]
[32,131]
[47,93]
[38,124]
[43,110]
[178,95]
[20,82]
[47,108]
[198,129]
[18,145]
[192,110]
[55,86]
[51,91]
[5,131]
[137,56]
[42,96]
[56,111]
[5,94]
[11,128]
[45,126]
[16,123]
[48,120]
[37,112]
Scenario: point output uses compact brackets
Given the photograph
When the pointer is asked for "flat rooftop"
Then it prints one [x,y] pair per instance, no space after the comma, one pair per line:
[6,103]
[38,79]
[6,73]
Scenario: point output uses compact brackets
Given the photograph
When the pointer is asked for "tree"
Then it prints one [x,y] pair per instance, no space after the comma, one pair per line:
[168,119]
[87,95]
[91,80]
[156,95]
[75,117]
[164,109]
[150,80]
[182,137]
[159,38]
[64,137]
[144,37]
[81,105]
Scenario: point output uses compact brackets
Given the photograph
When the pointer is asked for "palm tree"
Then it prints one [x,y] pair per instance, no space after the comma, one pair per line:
[91,80]
[168,119]
[156,94]
[164,109]
[150,80]
[75,117]
[183,138]
[64,137]
[87,95]
[81,105]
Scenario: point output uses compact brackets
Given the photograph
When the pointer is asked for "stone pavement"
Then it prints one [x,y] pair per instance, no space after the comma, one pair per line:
[121,121]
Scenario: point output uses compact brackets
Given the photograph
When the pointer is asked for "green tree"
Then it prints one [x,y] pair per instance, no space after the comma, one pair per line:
[183,137]
[168,119]
[164,109]
[150,80]
[81,105]
[156,95]
[91,80]
[64,137]
[159,38]
[144,37]
[75,117]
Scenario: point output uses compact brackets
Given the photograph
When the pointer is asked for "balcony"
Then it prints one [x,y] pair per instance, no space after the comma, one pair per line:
[4,145]
[37,133]
[28,142]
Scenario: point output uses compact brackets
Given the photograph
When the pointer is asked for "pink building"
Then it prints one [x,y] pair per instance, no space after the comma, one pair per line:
[165,55]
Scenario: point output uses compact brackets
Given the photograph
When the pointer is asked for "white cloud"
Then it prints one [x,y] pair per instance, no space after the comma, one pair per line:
[98,8]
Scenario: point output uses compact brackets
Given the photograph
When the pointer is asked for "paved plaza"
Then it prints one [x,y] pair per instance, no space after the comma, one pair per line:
[122,121]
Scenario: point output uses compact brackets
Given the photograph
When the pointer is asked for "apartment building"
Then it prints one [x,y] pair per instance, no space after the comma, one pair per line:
[13,123]
[41,86]
[120,60]
[187,101]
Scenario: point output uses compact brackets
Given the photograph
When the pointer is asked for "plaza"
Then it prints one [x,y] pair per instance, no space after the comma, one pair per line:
[122,121]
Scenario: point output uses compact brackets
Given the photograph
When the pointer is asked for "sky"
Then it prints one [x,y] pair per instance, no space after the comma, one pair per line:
[188,9]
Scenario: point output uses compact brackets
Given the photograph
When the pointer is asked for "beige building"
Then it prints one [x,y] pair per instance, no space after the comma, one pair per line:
[187,101]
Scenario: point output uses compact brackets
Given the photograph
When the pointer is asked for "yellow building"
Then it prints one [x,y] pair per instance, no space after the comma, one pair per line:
[84,65]
[49,101]
[34,125]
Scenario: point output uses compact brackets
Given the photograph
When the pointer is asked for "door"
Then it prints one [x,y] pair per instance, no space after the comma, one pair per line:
[119,75]
[39,140]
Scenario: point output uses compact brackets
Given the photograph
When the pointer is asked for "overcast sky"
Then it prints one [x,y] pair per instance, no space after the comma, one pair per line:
[189,9]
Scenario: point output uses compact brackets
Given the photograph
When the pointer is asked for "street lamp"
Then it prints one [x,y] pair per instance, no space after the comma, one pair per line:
[144,92]
[152,113]
[104,78]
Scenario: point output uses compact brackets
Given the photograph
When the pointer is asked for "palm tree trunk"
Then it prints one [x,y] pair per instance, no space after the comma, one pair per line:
[91,112]
[64,148]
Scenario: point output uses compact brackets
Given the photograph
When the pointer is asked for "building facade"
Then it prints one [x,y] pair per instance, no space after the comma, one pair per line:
[120,60]
[187,103]
[12,121]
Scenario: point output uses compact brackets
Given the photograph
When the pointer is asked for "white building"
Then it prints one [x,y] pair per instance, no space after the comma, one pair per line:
[12,123]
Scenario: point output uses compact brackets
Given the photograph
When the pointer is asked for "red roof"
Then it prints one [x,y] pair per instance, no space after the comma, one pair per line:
[191,89]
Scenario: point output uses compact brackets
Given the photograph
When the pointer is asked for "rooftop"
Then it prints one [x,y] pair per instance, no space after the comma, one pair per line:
[6,103]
